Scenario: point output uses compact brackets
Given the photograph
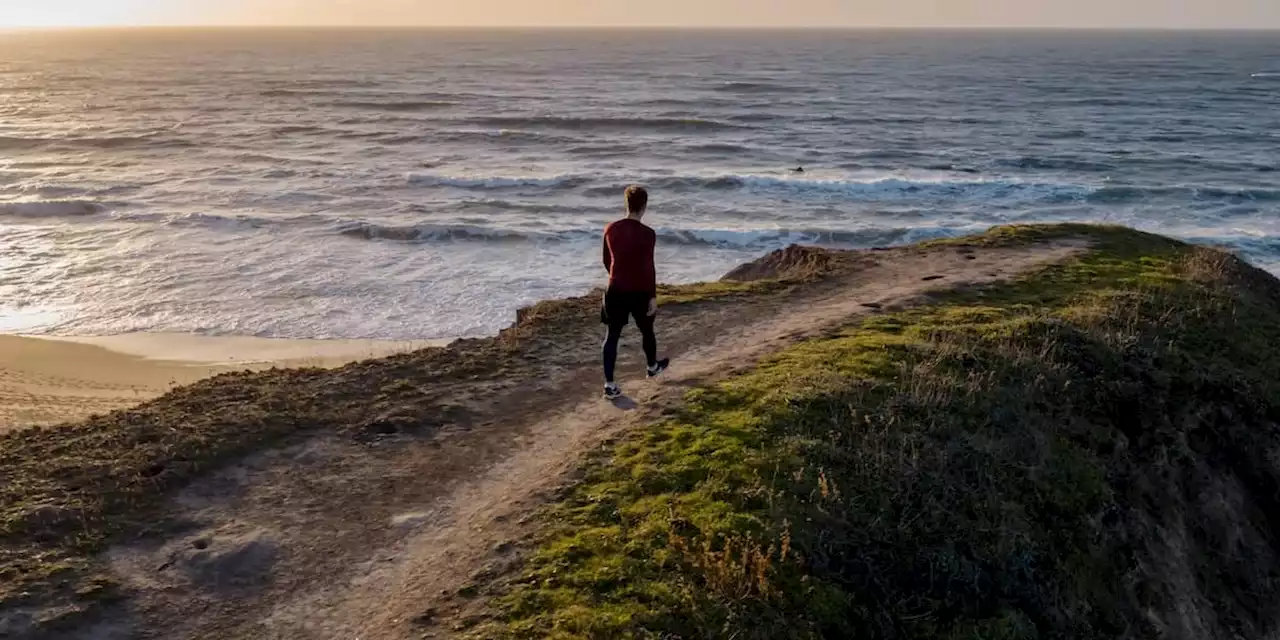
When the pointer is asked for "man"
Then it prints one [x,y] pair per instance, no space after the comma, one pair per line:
[633,286]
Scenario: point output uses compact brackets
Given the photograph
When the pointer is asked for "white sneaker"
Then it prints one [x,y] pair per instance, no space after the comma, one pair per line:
[612,390]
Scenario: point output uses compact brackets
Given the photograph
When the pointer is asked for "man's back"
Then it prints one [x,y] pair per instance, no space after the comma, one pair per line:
[628,255]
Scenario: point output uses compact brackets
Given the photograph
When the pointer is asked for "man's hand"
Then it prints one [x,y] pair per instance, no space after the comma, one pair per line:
[653,307]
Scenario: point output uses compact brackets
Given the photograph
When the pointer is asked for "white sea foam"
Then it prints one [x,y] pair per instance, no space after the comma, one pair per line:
[740,239]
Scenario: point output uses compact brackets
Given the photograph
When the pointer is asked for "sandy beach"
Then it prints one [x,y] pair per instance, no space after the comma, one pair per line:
[46,381]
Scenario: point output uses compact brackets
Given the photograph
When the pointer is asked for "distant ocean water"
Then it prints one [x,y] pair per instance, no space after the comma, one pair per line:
[425,184]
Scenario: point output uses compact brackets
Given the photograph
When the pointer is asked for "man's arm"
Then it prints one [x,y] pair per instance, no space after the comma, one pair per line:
[653,259]
[608,256]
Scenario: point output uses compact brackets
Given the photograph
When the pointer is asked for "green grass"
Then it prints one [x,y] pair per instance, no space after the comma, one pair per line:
[1008,463]
[705,291]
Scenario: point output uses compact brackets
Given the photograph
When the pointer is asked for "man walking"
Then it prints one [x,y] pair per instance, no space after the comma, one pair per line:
[633,286]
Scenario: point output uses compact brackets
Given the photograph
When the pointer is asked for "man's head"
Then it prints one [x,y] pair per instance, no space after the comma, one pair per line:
[637,199]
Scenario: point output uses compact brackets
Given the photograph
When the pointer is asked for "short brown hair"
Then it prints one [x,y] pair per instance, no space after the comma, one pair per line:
[637,198]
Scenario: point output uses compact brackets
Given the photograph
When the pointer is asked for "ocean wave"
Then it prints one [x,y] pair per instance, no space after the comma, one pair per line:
[606,185]
[267,158]
[755,118]
[1064,134]
[214,221]
[502,136]
[380,136]
[19,143]
[889,154]
[424,233]
[87,211]
[22,143]
[1130,193]
[1265,75]
[1111,101]
[952,167]
[51,209]
[328,83]
[1120,194]
[223,222]
[603,150]
[1113,195]
[605,123]
[1236,195]
[566,181]
[498,204]
[393,105]
[1052,163]
[290,129]
[755,87]
[718,147]
[867,189]
[698,102]
[760,238]
[721,238]
[298,93]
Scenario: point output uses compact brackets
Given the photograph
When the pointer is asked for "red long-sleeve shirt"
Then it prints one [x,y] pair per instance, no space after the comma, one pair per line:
[628,256]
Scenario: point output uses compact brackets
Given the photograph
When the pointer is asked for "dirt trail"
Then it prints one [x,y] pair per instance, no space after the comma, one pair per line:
[338,539]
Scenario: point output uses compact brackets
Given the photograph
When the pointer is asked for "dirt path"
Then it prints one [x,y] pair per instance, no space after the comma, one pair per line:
[338,539]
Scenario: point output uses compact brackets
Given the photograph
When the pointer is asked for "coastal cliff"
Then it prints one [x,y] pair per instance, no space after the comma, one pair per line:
[1041,431]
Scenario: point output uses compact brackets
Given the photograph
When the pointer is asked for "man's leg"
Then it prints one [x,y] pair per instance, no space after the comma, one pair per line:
[611,350]
[644,322]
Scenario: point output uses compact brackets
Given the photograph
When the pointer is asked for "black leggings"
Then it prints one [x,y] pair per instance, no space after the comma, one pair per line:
[645,324]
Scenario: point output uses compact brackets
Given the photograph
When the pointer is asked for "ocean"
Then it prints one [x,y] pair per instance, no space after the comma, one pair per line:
[416,184]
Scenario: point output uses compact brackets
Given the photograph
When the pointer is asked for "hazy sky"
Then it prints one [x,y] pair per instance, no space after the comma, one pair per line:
[1047,13]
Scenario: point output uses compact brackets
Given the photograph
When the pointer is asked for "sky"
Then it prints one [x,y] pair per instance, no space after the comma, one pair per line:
[1207,14]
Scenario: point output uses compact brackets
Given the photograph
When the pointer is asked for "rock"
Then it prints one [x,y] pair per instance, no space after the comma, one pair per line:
[792,261]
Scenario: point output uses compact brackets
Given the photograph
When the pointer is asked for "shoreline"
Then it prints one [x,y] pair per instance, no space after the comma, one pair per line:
[235,351]
[46,380]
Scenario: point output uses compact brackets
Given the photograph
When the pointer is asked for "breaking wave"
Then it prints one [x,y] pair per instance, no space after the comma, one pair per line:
[725,238]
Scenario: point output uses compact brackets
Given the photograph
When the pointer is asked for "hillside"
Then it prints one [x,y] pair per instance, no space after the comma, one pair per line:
[1089,451]
[1059,431]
